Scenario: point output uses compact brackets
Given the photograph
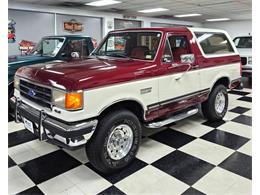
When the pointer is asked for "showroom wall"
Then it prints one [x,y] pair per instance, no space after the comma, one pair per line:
[234,28]
[36,21]
[27,24]
[92,26]
[108,18]
[122,23]
[167,25]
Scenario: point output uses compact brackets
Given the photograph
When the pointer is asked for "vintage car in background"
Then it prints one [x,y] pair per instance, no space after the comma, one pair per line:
[156,77]
[53,49]
[244,47]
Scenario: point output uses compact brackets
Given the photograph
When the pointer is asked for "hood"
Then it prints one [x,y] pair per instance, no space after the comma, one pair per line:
[245,51]
[85,74]
[26,59]
[15,62]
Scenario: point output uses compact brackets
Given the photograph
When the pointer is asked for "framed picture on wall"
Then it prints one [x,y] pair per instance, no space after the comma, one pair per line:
[122,23]
[73,26]
[11,31]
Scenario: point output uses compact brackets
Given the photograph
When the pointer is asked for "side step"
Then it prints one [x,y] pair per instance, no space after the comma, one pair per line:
[155,125]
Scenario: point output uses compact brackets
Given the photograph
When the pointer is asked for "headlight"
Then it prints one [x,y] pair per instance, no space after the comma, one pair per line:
[249,60]
[69,101]
[16,82]
[58,98]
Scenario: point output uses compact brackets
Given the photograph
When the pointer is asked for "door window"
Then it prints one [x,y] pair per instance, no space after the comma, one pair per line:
[179,46]
[167,53]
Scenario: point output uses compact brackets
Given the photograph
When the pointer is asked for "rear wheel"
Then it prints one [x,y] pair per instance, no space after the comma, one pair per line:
[215,108]
[115,141]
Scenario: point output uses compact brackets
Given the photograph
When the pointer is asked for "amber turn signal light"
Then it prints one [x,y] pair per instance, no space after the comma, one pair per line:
[73,101]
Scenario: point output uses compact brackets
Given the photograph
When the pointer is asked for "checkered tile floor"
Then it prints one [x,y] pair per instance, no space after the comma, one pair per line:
[192,157]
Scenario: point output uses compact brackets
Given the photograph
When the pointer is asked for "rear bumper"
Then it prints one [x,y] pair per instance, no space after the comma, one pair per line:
[247,72]
[236,84]
[70,136]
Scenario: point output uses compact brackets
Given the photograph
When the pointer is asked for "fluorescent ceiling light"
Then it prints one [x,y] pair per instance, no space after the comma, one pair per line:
[102,3]
[186,15]
[217,19]
[159,9]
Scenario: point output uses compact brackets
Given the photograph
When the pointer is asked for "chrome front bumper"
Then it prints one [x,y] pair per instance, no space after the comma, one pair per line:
[47,128]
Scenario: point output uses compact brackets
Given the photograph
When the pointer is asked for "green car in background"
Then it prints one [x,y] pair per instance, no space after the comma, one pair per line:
[54,49]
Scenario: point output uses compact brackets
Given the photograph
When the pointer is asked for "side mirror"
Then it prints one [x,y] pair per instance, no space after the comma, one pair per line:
[75,54]
[187,58]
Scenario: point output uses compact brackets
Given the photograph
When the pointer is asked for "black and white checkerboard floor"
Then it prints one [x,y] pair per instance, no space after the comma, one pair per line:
[191,157]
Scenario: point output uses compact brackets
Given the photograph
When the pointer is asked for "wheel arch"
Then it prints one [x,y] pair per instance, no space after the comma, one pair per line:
[224,80]
[129,104]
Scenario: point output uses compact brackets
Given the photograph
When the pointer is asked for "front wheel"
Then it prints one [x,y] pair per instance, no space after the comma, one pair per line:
[10,94]
[115,141]
[215,108]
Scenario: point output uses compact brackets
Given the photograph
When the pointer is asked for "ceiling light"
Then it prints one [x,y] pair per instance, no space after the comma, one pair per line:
[217,19]
[102,3]
[153,10]
[186,15]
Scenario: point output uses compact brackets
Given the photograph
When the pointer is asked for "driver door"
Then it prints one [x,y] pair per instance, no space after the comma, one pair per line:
[180,83]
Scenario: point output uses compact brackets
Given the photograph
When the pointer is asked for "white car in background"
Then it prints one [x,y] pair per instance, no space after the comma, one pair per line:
[244,47]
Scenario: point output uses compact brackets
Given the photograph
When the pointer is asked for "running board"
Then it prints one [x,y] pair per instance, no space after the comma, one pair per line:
[183,115]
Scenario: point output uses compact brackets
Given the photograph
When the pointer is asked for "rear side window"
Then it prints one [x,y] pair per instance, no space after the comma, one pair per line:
[214,43]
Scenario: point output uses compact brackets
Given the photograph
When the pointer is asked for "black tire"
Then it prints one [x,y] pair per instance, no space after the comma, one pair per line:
[208,107]
[96,148]
[10,94]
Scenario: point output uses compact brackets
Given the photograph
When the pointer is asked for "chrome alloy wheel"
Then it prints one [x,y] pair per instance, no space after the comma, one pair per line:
[120,142]
[220,102]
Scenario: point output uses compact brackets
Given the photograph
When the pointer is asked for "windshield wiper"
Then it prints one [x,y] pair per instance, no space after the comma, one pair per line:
[119,55]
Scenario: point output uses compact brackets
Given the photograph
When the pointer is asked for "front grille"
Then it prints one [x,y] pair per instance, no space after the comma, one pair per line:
[38,94]
[243,60]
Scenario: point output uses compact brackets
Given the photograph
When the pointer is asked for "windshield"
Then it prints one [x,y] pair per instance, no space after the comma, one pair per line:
[243,42]
[137,45]
[48,47]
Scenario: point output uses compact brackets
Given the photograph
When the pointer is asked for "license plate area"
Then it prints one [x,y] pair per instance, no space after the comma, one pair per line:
[28,125]
[34,128]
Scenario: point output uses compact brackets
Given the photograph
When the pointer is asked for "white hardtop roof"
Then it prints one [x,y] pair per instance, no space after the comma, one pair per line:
[194,29]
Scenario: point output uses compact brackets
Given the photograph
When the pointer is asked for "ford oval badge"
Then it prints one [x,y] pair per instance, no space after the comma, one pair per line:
[31,93]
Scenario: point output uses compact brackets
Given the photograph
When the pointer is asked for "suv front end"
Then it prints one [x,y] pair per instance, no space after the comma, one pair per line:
[45,111]
[244,47]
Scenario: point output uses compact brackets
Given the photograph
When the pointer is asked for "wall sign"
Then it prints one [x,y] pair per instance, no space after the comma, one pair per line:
[73,26]
[11,31]
[121,23]
[109,24]
[26,46]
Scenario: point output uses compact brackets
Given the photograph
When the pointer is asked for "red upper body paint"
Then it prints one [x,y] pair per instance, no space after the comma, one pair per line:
[101,71]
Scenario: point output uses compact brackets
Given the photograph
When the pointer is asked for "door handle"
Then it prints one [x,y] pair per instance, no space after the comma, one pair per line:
[179,77]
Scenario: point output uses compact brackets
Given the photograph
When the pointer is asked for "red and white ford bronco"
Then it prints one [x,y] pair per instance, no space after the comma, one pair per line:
[136,77]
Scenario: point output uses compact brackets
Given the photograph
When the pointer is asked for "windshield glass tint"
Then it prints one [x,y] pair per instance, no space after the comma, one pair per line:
[243,42]
[137,45]
[48,47]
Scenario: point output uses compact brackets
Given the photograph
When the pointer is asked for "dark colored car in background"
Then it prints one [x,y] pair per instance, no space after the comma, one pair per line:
[54,49]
